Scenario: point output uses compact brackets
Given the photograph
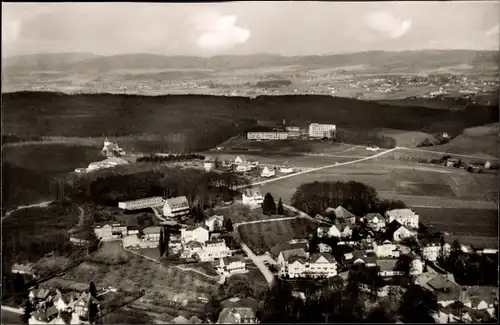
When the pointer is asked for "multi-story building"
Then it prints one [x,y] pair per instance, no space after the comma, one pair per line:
[318,265]
[214,250]
[152,233]
[231,265]
[406,217]
[431,250]
[149,202]
[268,172]
[214,223]
[317,130]
[385,249]
[176,207]
[267,135]
[375,221]
[197,233]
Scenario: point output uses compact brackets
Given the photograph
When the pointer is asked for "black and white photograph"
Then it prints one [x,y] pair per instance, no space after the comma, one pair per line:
[226,162]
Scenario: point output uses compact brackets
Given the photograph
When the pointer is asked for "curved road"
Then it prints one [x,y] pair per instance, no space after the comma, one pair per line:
[39,205]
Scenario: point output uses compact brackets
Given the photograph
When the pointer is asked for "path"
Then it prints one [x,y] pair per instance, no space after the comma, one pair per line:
[259,263]
[320,168]
[43,204]
[213,277]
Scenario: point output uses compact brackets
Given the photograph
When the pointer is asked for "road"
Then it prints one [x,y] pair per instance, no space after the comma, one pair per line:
[445,153]
[259,263]
[320,168]
[43,204]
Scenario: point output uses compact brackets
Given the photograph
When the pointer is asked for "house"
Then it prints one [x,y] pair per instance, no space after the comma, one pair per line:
[111,149]
[175,245]
[208,165]
[323,231]
[214,223]
[103,231]
[267,172]
[44,315]
[132,230]
[385,249]
[152,233]
[286,169]
[338,230]
[252,197]
[375,221]
[344,215]
[447,291]
[387,268]
[23,269]
[37,295]
[180,320]
[431,249]
[118,230]
[196,233]
[147,202]
[243,168]
[176,207]
[324,248]
[277,249]
[318,265]
[284,257]
[483,297]
[231,265]
[397,232]
[213,250]
[240,160]
[406,217]
[299,241]
[417,265]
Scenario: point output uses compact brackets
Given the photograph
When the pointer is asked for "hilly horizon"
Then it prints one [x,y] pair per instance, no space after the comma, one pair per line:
[385,60]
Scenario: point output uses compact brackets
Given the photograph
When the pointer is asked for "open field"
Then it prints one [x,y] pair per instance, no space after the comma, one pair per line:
[10,318]
[288,146]
[110,252]
[261,237]
[395,178]
[239,212]
[139,273]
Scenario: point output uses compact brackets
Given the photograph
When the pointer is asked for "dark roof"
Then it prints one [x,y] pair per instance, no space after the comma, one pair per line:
[343,213]
[370,216]
[179,202]
[232,259]
[441,281]
[45,314]
[194,243]
[314,257]
[390,229]
[151,230]
[293,252]
[233,315]
[236,302]
[293,259]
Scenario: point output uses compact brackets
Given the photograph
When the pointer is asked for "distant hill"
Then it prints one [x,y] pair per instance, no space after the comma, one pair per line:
[411,61]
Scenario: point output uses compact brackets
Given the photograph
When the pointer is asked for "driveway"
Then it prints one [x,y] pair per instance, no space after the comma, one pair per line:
[268,275]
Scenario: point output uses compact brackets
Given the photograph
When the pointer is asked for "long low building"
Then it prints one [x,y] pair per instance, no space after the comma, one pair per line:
[149,202]
[267,135]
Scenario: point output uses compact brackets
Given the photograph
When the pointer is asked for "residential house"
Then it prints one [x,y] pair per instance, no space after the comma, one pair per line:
[176,207]
[339,230]
[132,230]
[237,316]
[385,249]
[196,233]
[447,291]
[213,250]
[299,241]
[483,297]
[431,249]
[152,233]
[175,245]
[397,232]
[375,221]
[23,269]
[103,231]
[277,249]
[344,215]
[284,257]
[118,230]
[231,265]
[38,295]
[252,197]
[214,223]
[323,232]
[111,149]
[243,168]
[44,315]
[417,265]
[324,248]
[267,172]
[406,217]
[317,265]
[180,320]
[240,160]
[387,268]
[208,165]
[286,169]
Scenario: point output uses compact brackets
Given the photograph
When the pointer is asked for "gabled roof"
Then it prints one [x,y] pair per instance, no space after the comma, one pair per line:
[179,320]
[232,259]
[316,256]
[300,259]
[41,293]
[343,213]
[370,216]
[176,203]
[293,252]
[194,227]
[193,244]
[214,217]
[442,281]
[395,213]
[236,302]
[233,315]
[391,229]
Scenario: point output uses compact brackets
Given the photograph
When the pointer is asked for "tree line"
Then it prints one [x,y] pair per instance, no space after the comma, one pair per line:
[170,158]
[314,198]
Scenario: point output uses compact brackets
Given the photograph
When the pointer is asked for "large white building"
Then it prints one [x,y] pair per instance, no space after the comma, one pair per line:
[252,197]
[199,234]
[149,202]
[176,207]
[318,265]
[214,250]
[406,217]
[231,265]
[317,130]
[267,135]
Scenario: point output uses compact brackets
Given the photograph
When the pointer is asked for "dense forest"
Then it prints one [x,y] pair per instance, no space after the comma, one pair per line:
[209,120]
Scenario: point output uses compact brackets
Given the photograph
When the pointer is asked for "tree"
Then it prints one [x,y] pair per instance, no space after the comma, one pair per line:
[229,225]
[403,264]
[269,206]
[92,312]
[92,289]
[161,244]
[166,240]
[212,309]
[418,305]
[28,309]
[281,209]
[455,246]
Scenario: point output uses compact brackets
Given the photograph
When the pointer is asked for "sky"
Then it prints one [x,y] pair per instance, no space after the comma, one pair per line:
[238,28]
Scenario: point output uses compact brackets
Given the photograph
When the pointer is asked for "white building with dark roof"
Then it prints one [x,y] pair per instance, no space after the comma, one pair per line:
[196,233]
[176,207]
[252,197]
[231,265]
[406,217]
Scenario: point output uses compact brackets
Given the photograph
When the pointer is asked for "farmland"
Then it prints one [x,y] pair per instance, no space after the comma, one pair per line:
[242,213]
[261,237]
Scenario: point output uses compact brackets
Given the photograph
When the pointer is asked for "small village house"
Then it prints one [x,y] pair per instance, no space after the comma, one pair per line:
[215,223]
[286,169]
[190,248]
[284,257]
[111,149]
[176,207]
[375,221]
[243,168]
[231,265]
[196,233]
[324,248]
[396,232]
[431,249]
[268,172]
[103,231]
[240,160]
[387,268]
[405,217]
[344,216]
[385,249]
[208,165]
[152,233]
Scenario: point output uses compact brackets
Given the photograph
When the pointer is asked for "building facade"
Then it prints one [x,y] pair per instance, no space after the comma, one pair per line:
[406,217]
[155,201]
[267,135]
[199,234]
[252,197]
[317,130]
[176,207]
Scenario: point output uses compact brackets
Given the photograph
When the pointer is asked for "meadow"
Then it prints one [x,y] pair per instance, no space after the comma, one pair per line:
[241,213]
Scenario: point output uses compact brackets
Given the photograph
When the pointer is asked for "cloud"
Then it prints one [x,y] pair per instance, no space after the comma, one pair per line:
[493,30]
[388,25]
[218,32]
